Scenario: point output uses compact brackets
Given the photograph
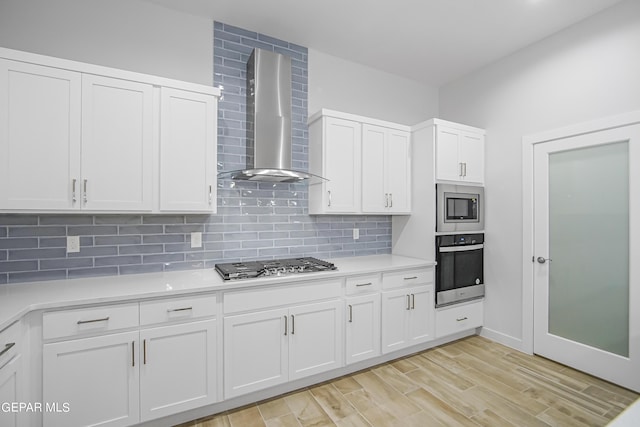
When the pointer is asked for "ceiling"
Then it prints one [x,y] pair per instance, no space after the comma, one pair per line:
[430,41]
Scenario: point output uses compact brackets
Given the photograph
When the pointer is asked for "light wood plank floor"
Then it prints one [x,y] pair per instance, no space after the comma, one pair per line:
[470,382]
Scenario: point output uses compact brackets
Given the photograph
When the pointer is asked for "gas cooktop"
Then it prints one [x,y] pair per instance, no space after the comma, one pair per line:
[272,267]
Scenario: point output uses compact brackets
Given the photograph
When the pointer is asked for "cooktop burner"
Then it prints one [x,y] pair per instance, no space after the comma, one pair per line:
[272,267]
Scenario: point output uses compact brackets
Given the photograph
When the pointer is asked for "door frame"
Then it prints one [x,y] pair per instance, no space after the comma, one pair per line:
[528,144]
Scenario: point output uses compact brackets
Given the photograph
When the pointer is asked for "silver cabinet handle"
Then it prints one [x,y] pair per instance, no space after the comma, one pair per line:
[172,310]
[210,194]
[465,169]
[386,200]
[408,302]
[350,313]
[411,278]
[84,191]
[460,319]
[7,347]
[133,353]
[329,191]
[285,325]
[460,167]
[390,200]
[413,301]
[144,351]
[82,322]
[364,284]
[293,324]
[73,190]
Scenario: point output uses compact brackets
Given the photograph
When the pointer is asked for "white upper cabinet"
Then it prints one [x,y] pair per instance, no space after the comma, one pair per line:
[366,162]
[459,154]
[79,137]
[335,150]
[188,151]
[39,136]
[117,137]
[386,170]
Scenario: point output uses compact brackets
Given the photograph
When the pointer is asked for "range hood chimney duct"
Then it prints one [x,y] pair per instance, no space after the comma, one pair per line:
[268,120]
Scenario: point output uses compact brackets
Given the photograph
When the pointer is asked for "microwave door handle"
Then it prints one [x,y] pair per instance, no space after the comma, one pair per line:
[460,248]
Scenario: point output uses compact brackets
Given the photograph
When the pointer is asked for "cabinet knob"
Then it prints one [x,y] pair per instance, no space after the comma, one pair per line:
[329,192]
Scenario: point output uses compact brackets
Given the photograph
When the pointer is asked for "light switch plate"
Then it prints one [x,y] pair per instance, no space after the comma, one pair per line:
[196,239]
[356,233]
[73,244]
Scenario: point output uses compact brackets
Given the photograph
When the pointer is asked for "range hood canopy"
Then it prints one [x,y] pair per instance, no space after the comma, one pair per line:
[268,121]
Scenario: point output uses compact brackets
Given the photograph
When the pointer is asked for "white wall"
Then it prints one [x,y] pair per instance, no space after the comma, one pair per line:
[127,34]
[341,85]
[587,71]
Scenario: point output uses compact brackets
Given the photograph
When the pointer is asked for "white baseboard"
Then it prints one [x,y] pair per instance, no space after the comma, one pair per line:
[499,337]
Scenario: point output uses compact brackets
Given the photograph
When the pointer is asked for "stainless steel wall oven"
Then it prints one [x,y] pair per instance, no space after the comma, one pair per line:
[459,268]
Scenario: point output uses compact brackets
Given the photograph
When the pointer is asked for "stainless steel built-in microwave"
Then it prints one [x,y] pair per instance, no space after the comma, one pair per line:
[459,208]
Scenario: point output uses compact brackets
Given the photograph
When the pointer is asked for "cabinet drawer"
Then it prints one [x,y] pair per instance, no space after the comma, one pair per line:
[58,324]
[458,318]
[171,309]
[9,342]
[262,298]
[363,284]
[407,278]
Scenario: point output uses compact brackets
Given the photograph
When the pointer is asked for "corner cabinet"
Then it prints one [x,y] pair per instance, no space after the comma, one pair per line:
[11,375]
[367,164]
[81,138]
[459,153]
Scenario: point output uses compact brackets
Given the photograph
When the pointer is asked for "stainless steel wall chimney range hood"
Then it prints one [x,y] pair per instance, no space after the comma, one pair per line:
[268,120]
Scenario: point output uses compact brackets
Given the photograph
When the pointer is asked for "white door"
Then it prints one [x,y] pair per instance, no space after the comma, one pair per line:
[342,165]
[188,151]
[117,138]
[315,339]
[177,368]
[398,171]
[255,351]
[9,391]
[471,155]
[97,377]
[374,198]
[363,328]
[447,163]
[422,315]
[586,247]
[395,319]
[39,137]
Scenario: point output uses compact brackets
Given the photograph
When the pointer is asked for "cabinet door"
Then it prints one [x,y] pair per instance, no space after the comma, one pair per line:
[177,368]
[117,137]
[422,315]
[396,306]
[447,163]
[374,194]
[472,156]
[39,136]
[398,171]
[10,391]
[188,151]
[97,377]
[315,339]
[363,328]
[342,165]
[255,351]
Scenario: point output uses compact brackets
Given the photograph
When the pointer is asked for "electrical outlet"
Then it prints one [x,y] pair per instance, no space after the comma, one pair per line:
[73,244]
[356,233]
[196,239]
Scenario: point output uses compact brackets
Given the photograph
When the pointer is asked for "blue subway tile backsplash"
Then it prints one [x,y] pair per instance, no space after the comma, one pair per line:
[254,220]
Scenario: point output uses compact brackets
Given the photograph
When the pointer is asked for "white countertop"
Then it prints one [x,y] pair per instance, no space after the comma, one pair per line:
[18,299]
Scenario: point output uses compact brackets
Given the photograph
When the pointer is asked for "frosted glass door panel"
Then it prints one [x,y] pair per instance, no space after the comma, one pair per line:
[589,246]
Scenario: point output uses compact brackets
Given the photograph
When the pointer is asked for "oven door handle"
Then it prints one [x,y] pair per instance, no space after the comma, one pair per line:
[461,248]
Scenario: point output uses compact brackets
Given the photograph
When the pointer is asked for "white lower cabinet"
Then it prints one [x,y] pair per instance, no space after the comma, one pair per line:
[267,348]
[407,317]
[459,318]
[93,381]
[123,378]
[362,327]
[10,377]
